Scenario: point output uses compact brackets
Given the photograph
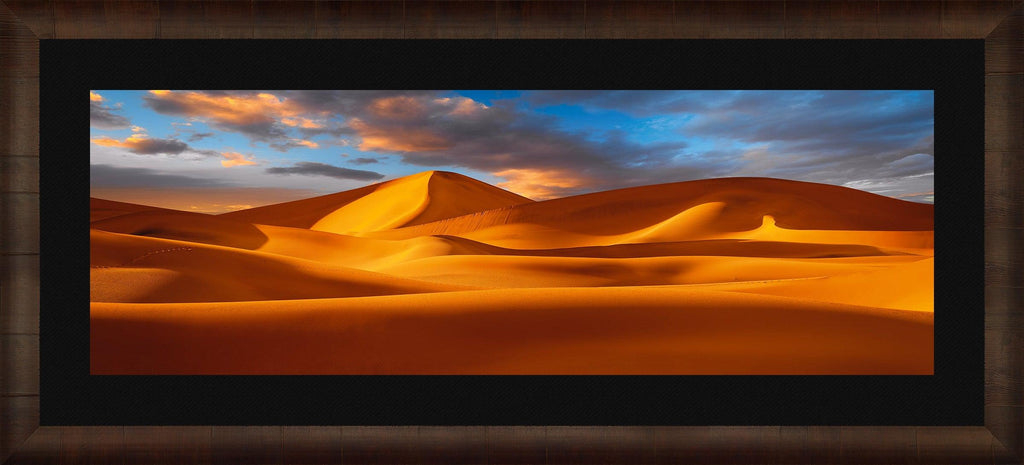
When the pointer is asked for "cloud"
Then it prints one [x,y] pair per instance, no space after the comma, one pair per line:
[537,184]
[109,176]
[293,143]
[363,161]
[258,115]
[196,137]
[236,159]
[307,168]
[142,145]
[102,117]
[876,139]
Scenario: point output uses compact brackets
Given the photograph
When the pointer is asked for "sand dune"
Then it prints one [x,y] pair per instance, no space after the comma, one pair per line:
[420,198]
[440,273]
[627,330]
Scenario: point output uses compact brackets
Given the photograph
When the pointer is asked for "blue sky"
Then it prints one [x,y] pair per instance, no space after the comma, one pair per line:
[217,151]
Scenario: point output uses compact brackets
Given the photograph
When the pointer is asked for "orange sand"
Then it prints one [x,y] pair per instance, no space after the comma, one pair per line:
[437,273]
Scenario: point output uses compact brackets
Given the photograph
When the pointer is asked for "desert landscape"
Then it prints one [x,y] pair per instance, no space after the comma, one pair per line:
[440,273]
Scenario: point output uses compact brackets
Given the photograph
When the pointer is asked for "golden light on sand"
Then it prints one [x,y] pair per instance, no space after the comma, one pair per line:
[438,273]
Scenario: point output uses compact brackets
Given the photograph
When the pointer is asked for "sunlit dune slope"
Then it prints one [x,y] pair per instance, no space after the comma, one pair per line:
[630,330]
[411,200]
[437,273]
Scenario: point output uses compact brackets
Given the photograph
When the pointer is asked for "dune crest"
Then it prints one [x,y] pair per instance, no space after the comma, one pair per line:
[439,273]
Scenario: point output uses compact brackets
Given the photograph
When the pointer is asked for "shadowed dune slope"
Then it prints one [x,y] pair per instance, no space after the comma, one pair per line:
[127,268]
[626,330]
[100,209]
[411,200]
[692,210]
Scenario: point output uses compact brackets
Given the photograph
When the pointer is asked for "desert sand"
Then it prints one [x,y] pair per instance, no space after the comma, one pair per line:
[438,273]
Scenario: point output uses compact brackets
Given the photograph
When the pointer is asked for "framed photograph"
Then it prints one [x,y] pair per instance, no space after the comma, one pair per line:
[462,250]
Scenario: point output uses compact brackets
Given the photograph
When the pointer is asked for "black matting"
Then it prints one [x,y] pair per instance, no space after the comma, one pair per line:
[70,396]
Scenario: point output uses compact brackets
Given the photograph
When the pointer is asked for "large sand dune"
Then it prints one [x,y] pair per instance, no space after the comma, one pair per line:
[438,273]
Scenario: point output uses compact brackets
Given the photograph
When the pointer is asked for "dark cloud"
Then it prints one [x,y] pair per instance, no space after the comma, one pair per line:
[155,146]
[363,161]
[196,137]
[101,176]
[102,117]
[307,168]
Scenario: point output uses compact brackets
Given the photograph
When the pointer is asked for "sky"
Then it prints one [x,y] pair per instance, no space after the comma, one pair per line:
[218,151]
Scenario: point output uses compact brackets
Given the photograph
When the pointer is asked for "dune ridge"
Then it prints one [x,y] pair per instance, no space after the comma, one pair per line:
[439,273]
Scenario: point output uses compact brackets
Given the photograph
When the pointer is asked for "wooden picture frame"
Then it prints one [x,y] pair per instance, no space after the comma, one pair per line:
[24,23]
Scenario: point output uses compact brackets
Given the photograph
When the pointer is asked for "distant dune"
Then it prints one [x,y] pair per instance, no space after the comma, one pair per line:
[438,273]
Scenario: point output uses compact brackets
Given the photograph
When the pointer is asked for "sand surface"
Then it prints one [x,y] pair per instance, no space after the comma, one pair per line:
[438,273]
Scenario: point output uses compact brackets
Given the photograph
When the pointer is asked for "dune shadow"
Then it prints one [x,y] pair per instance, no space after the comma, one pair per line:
[186,226]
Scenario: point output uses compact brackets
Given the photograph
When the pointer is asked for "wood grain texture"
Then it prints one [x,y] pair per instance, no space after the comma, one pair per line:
[99,445]
[807,19]
[19,174]
[206,19]
[36,15]
[1004,256]
[691,19]
[107,19]
[42,448]
[1004,112]
[311,444]
[920,19]
[451,19]
[1006,423]
[1004,309]
[19,116]
[746,19]
[19,294]
[944,444]
[809,444]
[23,415]
[19,223]
[717,444]
[168,444]
[607,19]
[878,444]
[853,20]
[546,19]
[246,445]
[19,360]
[1004,193]
[1004,46]
[359,20]
[513,445]
[1004,384]
[19,47]
[1001,441]
[965,20]
[379,444]
[600,445]
[284,19]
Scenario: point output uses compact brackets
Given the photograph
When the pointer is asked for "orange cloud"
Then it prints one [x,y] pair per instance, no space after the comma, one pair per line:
[461,105]
[235,159]
[232,109]
[538,184]
[397,139]
[301,122]
[397,107]
[94,97]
